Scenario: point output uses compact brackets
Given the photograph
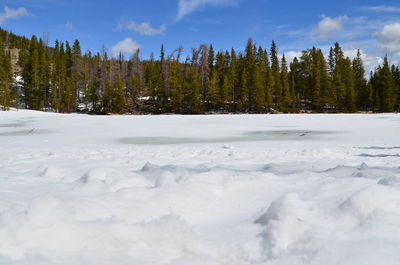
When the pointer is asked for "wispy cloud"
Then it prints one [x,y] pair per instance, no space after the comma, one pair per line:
[186,7]
[126,46]
[144,28]
[328,27]
[383,9]
[68,25]
[10,13]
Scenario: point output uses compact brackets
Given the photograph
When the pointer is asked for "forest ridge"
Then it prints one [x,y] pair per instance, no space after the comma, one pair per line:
[35,76]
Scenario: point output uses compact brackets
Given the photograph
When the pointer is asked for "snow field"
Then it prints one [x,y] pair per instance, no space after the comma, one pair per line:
[72,193]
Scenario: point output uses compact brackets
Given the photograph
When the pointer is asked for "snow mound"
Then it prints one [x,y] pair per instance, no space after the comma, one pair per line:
[101,175]
[49,227]
[135,181]
[286,222]
[164,175]
[393,181]
[287,168]
[361,171]
[372,201]
[51,172]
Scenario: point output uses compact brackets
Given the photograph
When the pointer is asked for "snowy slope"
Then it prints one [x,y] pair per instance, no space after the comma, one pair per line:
[246,189]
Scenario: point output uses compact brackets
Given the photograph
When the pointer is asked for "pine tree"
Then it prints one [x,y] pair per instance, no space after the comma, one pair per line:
[295,81]
[77,72]
[316,81]
[211,57]
[44,75]
[276,75]
[175,83]
[243,89]
[233,77]
[386,87]
[286,96]
[263,63]
[361,88]
[337,65]
[5,77]
[396,76]
[251,72]
[213,95]
[31,76]
[259,96]
[328,94]
[349,80]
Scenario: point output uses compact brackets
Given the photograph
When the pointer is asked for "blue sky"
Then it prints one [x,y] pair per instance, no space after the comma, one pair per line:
[371,25]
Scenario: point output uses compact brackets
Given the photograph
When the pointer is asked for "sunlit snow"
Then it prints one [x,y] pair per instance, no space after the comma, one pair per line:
[234,189]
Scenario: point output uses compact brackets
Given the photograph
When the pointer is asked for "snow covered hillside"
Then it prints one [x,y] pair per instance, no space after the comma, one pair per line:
[199,190]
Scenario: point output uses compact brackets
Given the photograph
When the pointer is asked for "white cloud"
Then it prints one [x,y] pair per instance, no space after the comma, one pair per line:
[290,55]
[370,61]
[389,37]
[389,33]
[328,27]
[144,28]
[68,25]
[185,7]
[383,9]
[126,46]
[12,13]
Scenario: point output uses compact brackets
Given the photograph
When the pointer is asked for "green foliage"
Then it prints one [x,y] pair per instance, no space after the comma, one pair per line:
[5,78]
[62,79]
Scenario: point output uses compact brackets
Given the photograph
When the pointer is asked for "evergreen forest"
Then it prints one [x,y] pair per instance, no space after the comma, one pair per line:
[61,78]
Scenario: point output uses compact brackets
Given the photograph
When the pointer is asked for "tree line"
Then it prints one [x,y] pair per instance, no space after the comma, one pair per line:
[256,80]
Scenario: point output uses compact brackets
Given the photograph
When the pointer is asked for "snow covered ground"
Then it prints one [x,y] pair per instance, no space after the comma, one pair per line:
[199,190]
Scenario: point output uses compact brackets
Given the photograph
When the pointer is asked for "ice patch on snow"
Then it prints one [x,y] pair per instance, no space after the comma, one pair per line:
[254,136]
[32,131]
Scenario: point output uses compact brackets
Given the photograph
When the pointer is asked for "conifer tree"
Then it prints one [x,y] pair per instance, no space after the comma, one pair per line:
[77,72]
[338,68]
[243,89]
[5,77]
[396,76]
[250,68]
[211,57]
[276,75]
[328,93]
[316,80]
[213,89]
[349,80]
[295,81]
[263,63]
[286,96]
[361,87]
[233,77]
[259,96]
[31,76]
[175,83]
[44,75]
[386,87]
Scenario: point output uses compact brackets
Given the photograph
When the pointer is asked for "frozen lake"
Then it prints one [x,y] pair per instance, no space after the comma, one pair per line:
[173,190]
[256,136]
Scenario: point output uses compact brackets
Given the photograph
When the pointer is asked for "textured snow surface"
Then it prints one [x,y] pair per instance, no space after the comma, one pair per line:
[199,190]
